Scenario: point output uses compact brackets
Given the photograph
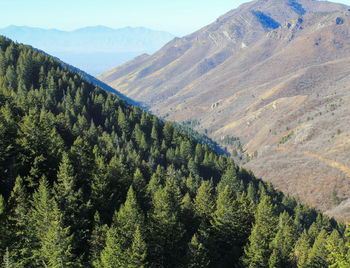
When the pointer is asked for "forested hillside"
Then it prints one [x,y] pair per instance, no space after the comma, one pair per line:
[90,181]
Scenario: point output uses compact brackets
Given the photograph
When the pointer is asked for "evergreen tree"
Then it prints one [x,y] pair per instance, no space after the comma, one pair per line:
[51,240]
[7,261]
[74,213]
[17,229]
[138,251]
[98,239]
[284,241]
[139,185]
[166,230]
[318,254]
[197,254]
[257,252]
[301,251]
[229,178]
[275,260]
[232,222]
[204,203]
[121,234]
[337,256]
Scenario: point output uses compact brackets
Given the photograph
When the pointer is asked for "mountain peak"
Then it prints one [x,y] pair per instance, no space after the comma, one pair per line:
[267,74]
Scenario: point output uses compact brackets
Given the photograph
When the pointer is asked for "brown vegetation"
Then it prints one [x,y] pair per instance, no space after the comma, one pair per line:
[241,78]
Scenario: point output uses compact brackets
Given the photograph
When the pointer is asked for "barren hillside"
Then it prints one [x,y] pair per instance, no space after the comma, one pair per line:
[275,74]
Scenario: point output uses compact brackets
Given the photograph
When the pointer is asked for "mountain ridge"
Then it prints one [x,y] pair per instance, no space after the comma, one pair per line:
[274,88]
[93,49]
[88,180]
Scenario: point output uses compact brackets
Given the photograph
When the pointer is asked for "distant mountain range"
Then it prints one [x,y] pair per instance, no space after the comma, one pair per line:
[92,49]
[272,76]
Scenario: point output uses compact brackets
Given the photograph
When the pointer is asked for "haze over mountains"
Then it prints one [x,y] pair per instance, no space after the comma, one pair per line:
[92,49]
[274,74]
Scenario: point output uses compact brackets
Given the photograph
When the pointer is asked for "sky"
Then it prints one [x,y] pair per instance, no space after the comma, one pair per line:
[179,17]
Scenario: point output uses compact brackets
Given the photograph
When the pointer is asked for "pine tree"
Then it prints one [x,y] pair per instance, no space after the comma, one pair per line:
[138,251]
[166,230]
[229,178]
[285,239]
[123,122]
[121,234]
[197,254]
[187,214]
[337,256]
[232,222]
[18,231]
[74,213]
[301,250]
[318,254]
[204,203]
[97,240]
[257,252]
[139,185]
[51,240]
[274,260]
[7,261]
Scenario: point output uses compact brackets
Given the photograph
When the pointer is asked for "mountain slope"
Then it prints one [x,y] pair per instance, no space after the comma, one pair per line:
[273,74]
[92,49]
[87,180]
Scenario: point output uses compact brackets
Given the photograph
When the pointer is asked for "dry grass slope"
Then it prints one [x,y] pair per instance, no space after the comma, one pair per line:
[284,91]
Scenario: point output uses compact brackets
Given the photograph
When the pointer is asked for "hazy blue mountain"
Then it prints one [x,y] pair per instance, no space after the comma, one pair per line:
[93,49]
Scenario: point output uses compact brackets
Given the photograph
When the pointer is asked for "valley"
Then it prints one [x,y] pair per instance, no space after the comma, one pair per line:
[272,73]
[225,148]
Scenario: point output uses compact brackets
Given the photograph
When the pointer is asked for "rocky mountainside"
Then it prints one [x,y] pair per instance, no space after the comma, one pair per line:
[274,75]
[93,49]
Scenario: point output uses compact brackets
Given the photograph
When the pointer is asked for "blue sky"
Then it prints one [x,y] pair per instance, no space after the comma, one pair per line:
[179,17]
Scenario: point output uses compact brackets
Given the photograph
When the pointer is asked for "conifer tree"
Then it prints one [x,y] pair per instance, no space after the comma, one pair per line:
[337,257]
[74,213]
[139,183]
[18,231]
[204,203]
[166,230]
[121,234]
[197,254]
[284,241]
[138,251]
[274,260]
[187,214]
[51,240]
[318,254]
[98,239]
[229,178]
[257,252]
[232,222]
[301,250]
[7,261]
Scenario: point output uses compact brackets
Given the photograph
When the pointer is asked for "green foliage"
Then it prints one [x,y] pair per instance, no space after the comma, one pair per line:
[258,250]
[334,198]
[51,241]
[197,254]
[286,138]
[121,236]
[302,248]
[204,203]
[318,253]
[86,180]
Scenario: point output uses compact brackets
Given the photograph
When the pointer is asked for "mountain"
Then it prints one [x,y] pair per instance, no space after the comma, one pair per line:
[92,49]
[268,80]
[88,180]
